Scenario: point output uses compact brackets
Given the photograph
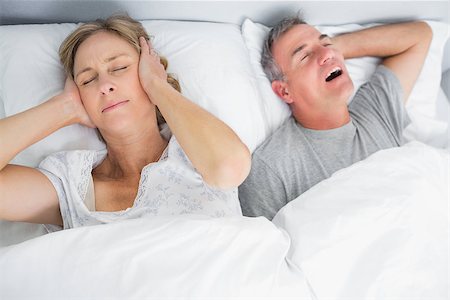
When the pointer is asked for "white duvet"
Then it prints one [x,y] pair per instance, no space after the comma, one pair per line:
[376,230]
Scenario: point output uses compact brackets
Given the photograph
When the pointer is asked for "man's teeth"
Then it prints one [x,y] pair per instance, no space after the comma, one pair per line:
[335,72]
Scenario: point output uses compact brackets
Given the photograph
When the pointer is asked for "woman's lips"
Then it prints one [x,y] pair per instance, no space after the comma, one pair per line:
[114,105]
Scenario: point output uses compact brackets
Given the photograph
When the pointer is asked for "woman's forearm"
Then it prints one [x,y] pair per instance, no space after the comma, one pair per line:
[212,146]
[19,131]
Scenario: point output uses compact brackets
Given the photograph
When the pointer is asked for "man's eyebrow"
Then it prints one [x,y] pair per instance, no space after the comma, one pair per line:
[107,60]
[300,48]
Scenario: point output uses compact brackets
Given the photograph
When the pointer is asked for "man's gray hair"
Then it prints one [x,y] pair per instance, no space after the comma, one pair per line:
[268,63]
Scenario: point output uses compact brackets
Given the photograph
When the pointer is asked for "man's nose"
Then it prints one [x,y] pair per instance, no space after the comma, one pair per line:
[326,54]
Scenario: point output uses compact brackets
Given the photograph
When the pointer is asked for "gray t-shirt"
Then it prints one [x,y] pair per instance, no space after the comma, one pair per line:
[295,158]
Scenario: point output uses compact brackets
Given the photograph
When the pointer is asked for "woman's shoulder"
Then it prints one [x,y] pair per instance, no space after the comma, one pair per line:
[174,152]
[72,159]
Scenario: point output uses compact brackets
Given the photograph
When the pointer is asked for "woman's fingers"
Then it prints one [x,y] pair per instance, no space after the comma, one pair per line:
[71,92]
[144,45]
[69,84]
[150,58]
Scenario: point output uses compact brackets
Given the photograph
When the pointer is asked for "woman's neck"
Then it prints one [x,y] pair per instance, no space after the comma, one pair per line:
[128,155]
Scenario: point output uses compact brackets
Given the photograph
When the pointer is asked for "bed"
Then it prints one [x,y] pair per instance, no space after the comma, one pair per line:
[378,229]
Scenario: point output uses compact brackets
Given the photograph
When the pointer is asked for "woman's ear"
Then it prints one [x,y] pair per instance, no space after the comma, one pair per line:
[280,88]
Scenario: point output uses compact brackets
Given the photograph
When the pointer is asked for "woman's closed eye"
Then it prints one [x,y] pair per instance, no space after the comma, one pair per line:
[88,81]
[120,68]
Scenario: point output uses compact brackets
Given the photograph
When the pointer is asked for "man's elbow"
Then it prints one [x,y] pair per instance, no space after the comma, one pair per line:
[425,32]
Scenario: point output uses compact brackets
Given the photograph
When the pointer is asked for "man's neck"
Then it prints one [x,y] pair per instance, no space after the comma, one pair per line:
[335,118]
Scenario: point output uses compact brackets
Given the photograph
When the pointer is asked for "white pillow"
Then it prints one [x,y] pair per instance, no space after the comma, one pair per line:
[2,108]
[421,104]
[212,64]
[30,73]
[209,59]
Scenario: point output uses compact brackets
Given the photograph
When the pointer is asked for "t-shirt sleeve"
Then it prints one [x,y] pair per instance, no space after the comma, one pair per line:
[381,99]
[261,192]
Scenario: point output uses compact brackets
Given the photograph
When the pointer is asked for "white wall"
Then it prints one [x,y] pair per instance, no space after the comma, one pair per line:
[268,12]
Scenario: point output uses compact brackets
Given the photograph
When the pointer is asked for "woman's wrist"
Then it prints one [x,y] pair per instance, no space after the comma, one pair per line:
[157,89]
[64,109]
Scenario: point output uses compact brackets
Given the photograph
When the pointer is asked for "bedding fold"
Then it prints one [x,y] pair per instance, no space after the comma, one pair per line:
[188,257]
[376,230]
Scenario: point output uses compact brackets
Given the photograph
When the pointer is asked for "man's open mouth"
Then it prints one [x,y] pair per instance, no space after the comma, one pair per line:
[336,72]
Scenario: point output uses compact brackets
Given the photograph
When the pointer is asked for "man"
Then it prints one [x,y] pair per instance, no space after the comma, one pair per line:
[323,135]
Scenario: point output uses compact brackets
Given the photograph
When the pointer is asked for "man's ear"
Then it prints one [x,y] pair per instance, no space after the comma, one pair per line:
[280,88]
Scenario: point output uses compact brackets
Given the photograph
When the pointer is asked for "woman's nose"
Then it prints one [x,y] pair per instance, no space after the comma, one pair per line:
[107,87]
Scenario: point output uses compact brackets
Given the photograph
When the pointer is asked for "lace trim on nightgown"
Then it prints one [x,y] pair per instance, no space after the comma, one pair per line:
[144,176]
[89,200]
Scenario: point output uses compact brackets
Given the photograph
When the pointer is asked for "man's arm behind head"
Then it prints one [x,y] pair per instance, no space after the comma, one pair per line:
[403,47]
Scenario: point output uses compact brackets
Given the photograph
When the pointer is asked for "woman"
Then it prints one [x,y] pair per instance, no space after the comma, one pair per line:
[117,83]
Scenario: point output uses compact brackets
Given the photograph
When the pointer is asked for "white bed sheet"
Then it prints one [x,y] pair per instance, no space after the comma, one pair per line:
[188,257]
[376,230]
[432,130]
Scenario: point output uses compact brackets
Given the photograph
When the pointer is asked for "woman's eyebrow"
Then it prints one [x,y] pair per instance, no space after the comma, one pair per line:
[107,60]
[82,71]
[116,56]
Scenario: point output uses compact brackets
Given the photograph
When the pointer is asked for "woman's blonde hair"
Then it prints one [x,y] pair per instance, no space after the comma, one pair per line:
[122,25]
